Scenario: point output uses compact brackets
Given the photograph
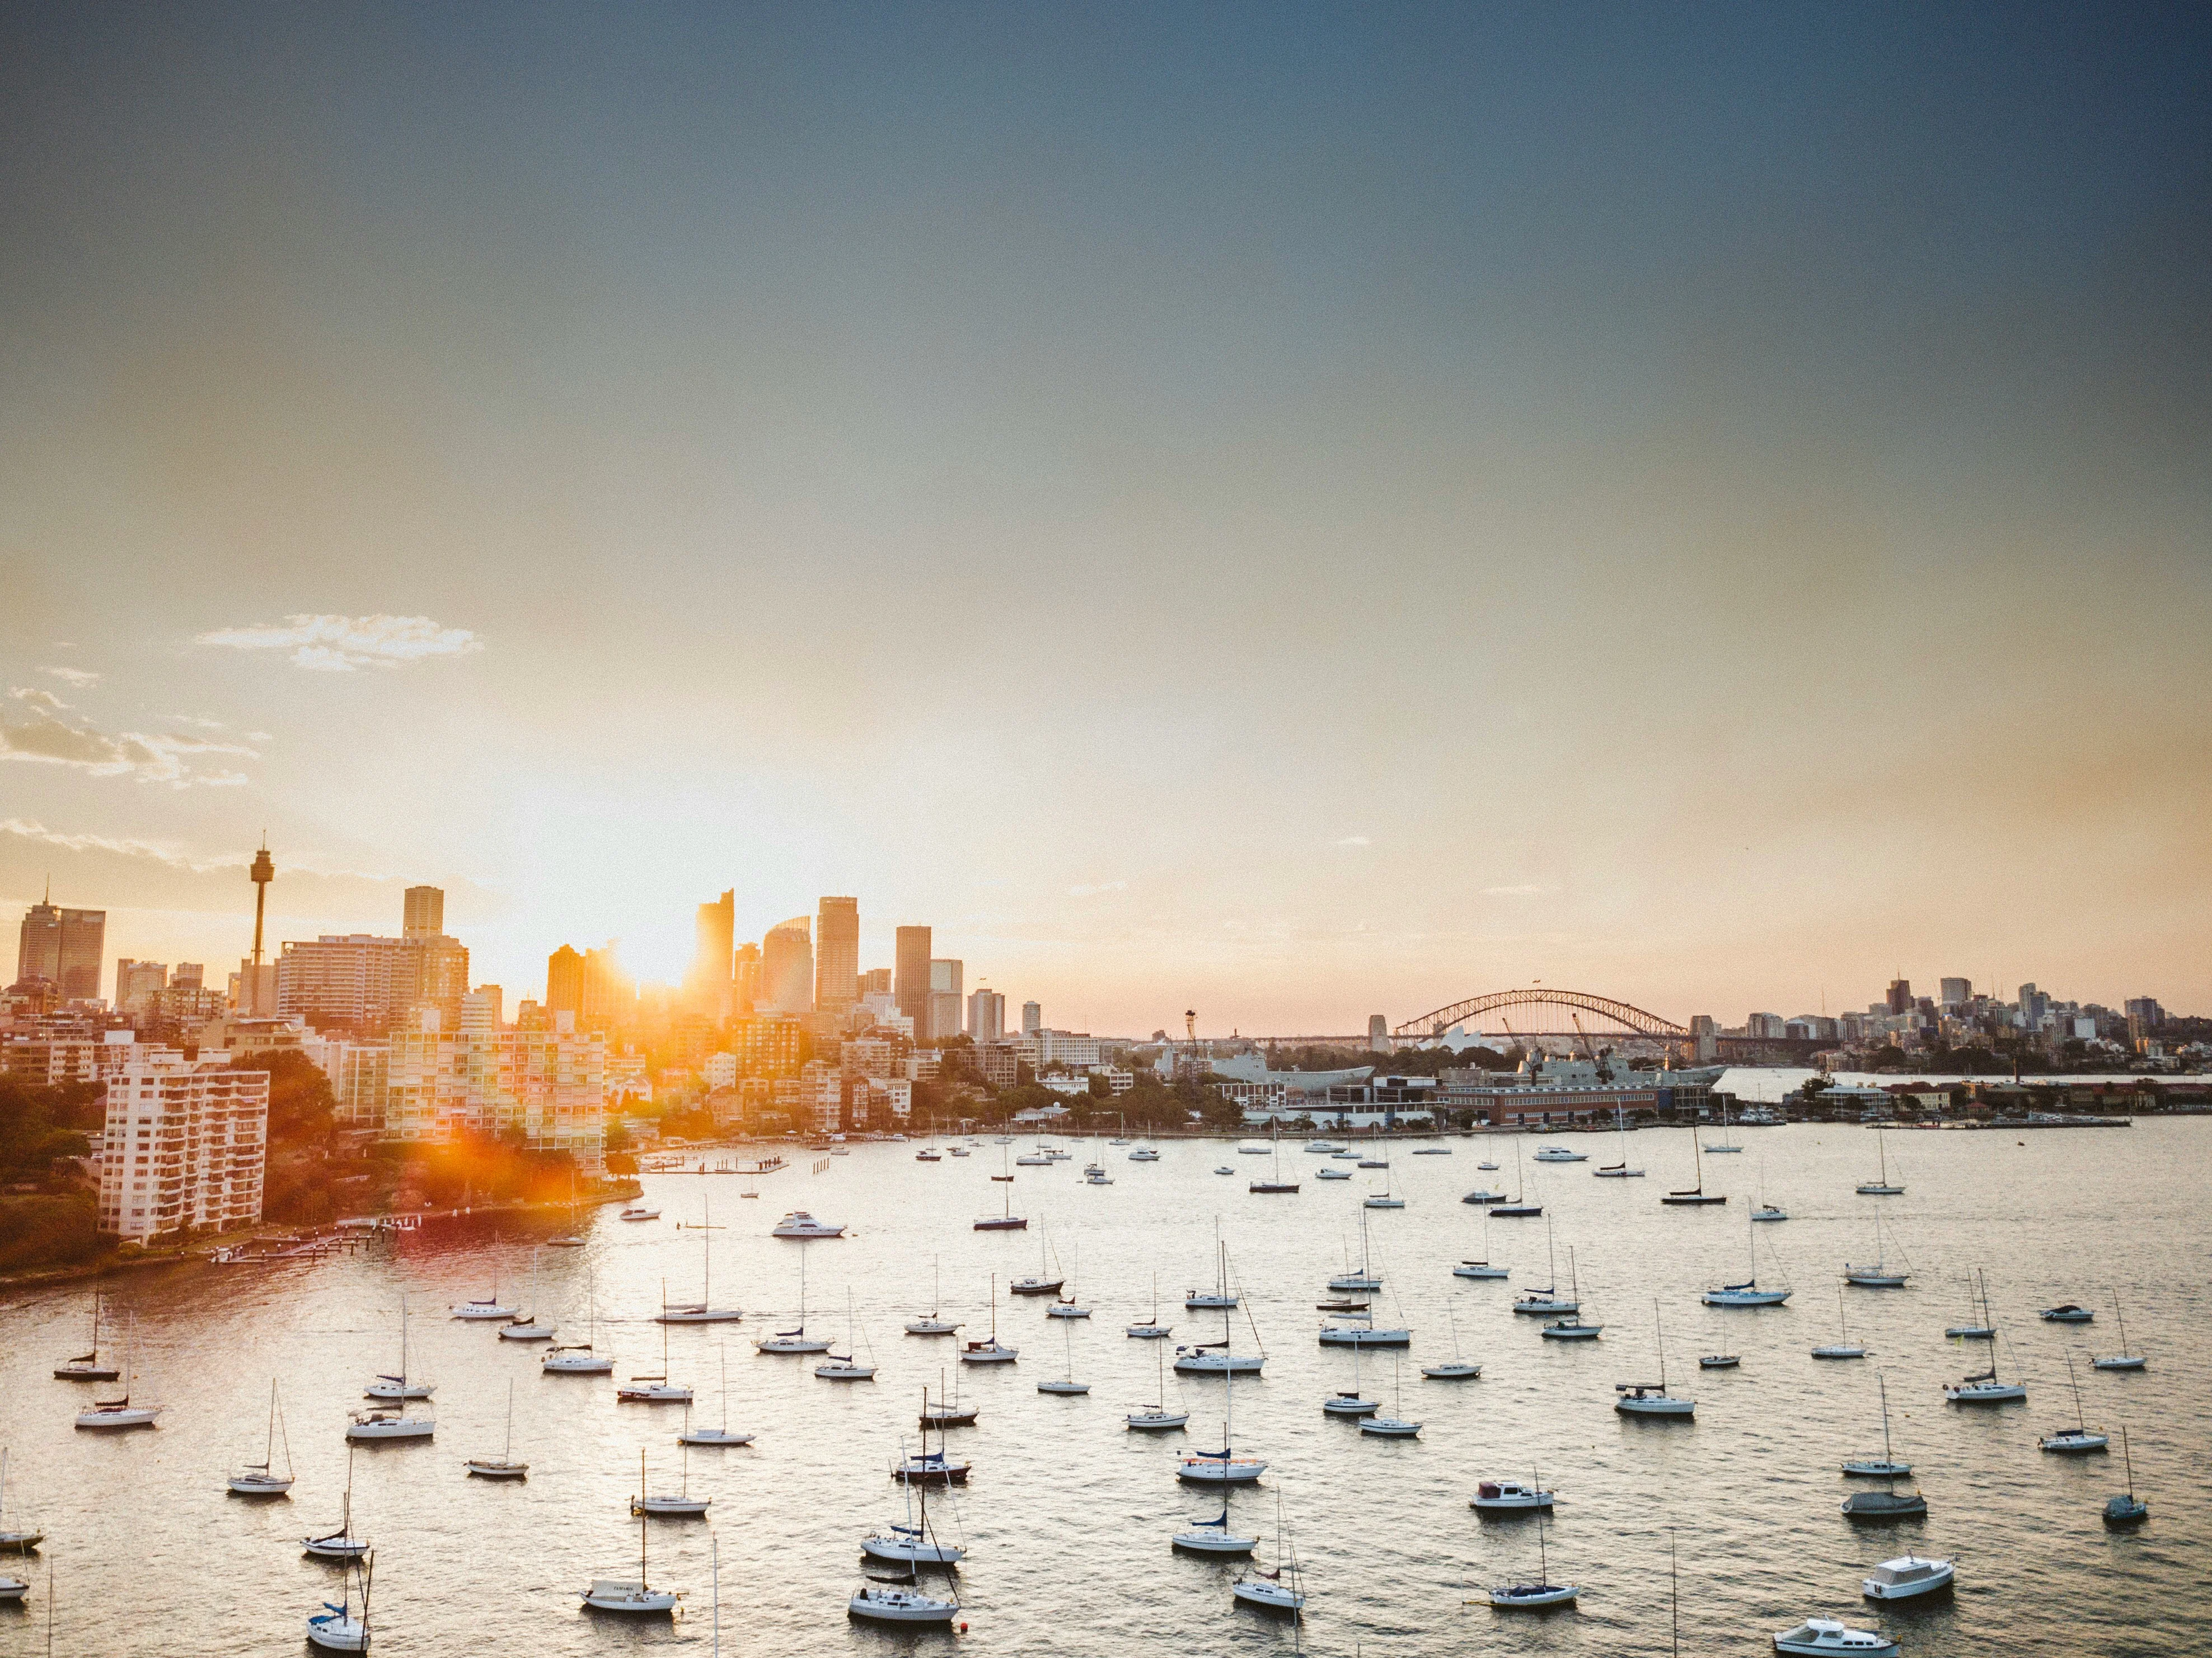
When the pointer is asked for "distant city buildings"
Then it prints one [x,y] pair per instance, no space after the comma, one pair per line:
[1032,1018]
[547,1086]
[986,1016]
[787,968]
[912,983]
[63,948]
[838,955]
[945,998]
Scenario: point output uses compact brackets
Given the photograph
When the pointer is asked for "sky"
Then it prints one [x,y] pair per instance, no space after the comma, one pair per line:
[1292,512]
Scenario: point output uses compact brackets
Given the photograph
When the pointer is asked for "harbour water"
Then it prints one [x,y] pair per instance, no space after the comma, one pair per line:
[1067,1517]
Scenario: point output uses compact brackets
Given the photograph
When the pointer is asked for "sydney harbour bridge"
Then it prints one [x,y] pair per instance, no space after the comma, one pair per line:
[1540,1013]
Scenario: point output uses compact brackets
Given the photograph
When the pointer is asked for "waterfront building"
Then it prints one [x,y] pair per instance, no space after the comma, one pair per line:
[551,1086]
[186,1145]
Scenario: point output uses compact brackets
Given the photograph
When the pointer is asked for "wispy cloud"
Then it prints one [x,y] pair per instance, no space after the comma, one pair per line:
[1356,841]
[341,644]
[1087,890]
[78,676]
[26,829]
[46,736]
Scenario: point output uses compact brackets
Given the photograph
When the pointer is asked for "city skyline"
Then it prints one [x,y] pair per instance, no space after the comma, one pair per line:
[1289,513]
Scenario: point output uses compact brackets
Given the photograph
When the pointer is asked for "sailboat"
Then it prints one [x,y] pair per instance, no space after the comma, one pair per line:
[794,1340]
[1889,1503]
[1547,1300]
[1650,1398]
[930,1467]
[261,1478]
[502,1466]
[19,1538]
[1691,1197]
[1352,1403]
[953,1412]
[2123,1360]
[484,1306]
[1764,1209]
[1519,1208]
[2128,1510]
[1224,1466]
[1724,1145]
[1843,1346]
[1982,1387]
[1572,1327]
[912,1543]
[679,1504]
[1152,1329]
[342,1543]
[1885,1466]
[1365,1277]
[1881,1186]
[1481,1268]
[581,1359]
[337,1627]
[1159,1417]
[1395,1425]
[1618,1171]
[1218,1357]
[396,1388]
[86,1365]
[1881,1275]
[1543,1592]
[990,1351]
[1275,1183]
[1977,1327]
[1458,1369]
[929,1324]
[716,1435]
[1221,1296]
[703,1310]
[1277,1590]
[2078,1440]
[526,1326]
[1067,1305]
[1213,1536]
[1047,1279]
[1747,1293]
[842,1367]
[107,1414]
[656,1388]
[633,1595]
[1067,1384]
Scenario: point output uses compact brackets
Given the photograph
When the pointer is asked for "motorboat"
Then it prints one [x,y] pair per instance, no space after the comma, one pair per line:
[2066,1313]
[1720,1361]
[1323,1148]
[957,1150]
[1907,1577]
[1491,1167]
[1144,1154]
[254,1479]
[800,1224]
[1225,1170]
[1886,1505]
[1509,1496]
[1480,1269]
[1767,1211]
[929,1154]
[2078,1440]
[13,1590]
[1817,1637]
[1332,1174]
[639,1211]
[1557,1154]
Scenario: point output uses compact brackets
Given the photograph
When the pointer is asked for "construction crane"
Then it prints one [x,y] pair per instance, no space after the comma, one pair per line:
[1604,1070]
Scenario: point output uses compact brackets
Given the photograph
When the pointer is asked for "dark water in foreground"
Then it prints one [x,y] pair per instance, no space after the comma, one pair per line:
[1068,1516]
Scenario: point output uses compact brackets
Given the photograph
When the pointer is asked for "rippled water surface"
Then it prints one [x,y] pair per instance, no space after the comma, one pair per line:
[1068,1515]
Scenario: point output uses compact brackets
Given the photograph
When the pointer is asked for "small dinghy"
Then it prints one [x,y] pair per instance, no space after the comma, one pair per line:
[1720,1361]
[2066,1313]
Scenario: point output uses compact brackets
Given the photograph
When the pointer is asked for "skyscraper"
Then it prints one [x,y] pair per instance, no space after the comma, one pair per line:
[1032,1018]
[745,979]
[787,968]
[423,914]
[713,956]
[65,947]
[912,981]
[1900,996]
[945,996]
[986,1016]
[564,981]
[137,983]
[1957,992]
[838,955]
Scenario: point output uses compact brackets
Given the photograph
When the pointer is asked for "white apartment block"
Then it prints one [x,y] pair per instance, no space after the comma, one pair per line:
[720,1071]
[1076,1049]
[821,1097]
[42,1061]
[186,1145]
[360,1076]
[550,1085]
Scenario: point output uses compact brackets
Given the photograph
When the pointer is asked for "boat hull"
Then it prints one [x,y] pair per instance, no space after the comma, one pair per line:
[1886,1505]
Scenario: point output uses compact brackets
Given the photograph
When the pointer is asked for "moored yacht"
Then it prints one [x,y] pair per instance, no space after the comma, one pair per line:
[1819,1637]
[800,1224]
[1908,1577]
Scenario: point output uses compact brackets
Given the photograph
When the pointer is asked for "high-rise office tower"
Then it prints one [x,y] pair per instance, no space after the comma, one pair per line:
[986,1016]
[911,983]
[1957,992]
[424,913]
[838,955]
[1032,1018]
[745,979]
[65,947]
[1379,1034]
[945,998]
[876,981]
[787,968]
[137,983]
[1900,996]
[707,986]
[564,981]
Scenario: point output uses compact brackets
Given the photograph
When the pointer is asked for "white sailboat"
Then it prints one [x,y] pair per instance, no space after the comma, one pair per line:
[1984,1387]
[261,1478]
[1692,1197]
[1067,1305]
[703,1310]
[1395,1425]
[1618,1171]
[1724,1145]
[1273,1591]
[932,1323]
[1543,1592]
[1843,1346]
[1158,1418]
[1747,1293]
[1977,1327]
[652,1388]
[1458,1369]
[794,1340]
[1219,1357]
[1573,1326]
[1066,1384]
[395,1389]
[720,1435]
[1224,1466]
[913,1543]
[87,1366]
[1354,1403]
[342,1543]
[485,1307]
[18,1538]
[1547,1300]
[679,1504]
[340,1627]
[581,1358]
[528,1326]
[1881,1185]
[1881,1275]
[2078,1440]
[1482,1268]
[990,1351]
[107,1415]
[846,1366]
[1650,1398]
[1363,1277]
[1152,1329]
[632,1596]
[1048,1278]
[502,1466]
[2123,1360]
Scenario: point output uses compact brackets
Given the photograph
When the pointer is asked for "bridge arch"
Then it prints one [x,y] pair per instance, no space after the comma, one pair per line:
[1635,1019]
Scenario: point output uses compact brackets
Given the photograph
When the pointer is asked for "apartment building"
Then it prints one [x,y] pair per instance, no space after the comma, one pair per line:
[186,1145]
